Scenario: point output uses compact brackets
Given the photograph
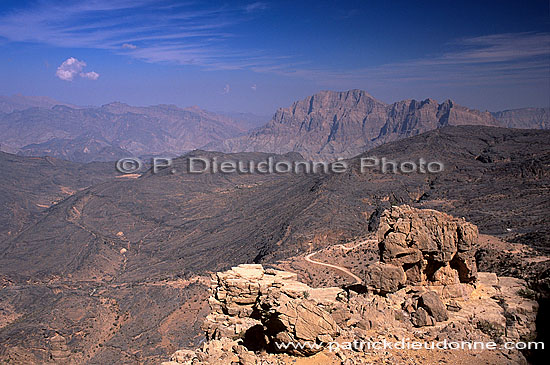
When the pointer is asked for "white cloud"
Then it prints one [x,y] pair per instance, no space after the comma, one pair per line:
[253,87]
[72,67]
[90,75]
[226,89]
[129,46]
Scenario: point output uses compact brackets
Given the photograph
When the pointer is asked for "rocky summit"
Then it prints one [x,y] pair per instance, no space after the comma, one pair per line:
[265,316]
[331,124]
[428,245]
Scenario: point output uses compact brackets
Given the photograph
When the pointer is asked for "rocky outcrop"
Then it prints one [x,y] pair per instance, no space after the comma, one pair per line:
[270,307]
[424,248]
[430,246]
[59,352]
[266,316]
[429,310]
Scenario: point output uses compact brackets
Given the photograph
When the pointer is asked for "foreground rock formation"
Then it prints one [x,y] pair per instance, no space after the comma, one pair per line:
[418,293]
[421,246]
[256,311]
[270,307]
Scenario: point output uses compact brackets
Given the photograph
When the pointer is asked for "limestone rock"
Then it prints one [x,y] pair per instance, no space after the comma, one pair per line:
[446,275]
[298,321]
[385,278]
[421,318]
[343,124]
[433,305]
[266,307]
[429,245]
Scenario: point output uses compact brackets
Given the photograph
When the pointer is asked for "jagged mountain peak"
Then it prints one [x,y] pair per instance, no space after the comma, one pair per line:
[332,124]
[326,99]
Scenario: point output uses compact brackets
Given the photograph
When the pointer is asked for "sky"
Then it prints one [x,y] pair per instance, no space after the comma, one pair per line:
[257,56]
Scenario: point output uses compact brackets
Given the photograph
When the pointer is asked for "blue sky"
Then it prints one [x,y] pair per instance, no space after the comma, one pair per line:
[258,56]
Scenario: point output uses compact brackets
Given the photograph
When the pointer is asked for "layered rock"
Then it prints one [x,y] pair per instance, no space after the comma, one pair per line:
[423,247]
[257,312]
[386,278]
[59,351]
[428,309]
[430,246]
[270,307]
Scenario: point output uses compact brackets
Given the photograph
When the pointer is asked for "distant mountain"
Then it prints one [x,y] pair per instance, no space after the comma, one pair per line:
[249,120]
[9,104]
[84,148]
[534,118]
[333,124]
[113,131]
[326,125]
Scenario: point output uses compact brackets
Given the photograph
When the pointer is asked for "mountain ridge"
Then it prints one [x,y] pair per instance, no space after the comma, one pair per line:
[331,124]
[116,130]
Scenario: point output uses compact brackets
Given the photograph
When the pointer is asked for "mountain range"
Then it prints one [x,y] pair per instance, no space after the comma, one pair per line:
[117,265]
[15,102]
[114,130]
[327,125]
[332,124]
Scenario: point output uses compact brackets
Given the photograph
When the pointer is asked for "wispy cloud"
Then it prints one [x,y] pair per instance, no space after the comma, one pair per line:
[71,67]
[188,35]
[90,75]
[226,89]
[493,60]
[184,35]
[256,6]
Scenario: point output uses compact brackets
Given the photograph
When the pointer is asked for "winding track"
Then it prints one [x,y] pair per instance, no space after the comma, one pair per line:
[345,270]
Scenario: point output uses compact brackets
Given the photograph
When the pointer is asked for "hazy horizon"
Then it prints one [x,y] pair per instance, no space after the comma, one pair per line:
[258,56]
[257,114]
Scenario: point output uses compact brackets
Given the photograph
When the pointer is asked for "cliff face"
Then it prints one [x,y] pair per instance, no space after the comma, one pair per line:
[332,124]
[325,124]
[410,117]
[536,118]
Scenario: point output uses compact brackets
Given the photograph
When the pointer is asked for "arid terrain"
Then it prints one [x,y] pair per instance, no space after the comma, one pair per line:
[332,124]
[120,269]
[270,182]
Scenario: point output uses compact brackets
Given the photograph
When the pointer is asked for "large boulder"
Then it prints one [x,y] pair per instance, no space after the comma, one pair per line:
[431,302]
[429,245]
[384,278]
[297,321]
